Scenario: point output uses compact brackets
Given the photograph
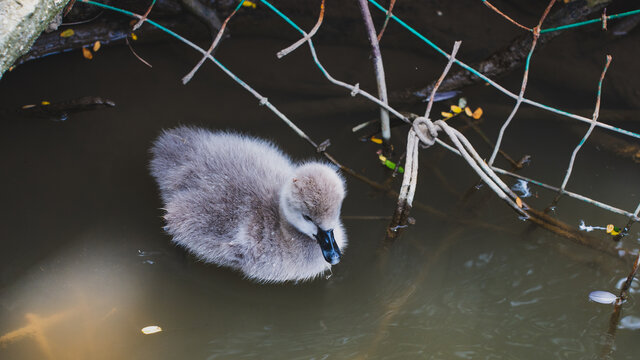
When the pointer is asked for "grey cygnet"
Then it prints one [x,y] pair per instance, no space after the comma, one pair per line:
[238,201]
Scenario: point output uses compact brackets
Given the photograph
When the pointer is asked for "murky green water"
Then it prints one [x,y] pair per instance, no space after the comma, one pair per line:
[85,265]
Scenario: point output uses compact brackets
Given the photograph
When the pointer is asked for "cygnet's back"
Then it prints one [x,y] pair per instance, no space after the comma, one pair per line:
[226,202]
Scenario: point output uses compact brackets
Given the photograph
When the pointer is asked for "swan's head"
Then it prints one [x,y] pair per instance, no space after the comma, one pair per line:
[311,202]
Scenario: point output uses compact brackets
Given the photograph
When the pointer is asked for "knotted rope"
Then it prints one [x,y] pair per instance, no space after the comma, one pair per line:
[424,132]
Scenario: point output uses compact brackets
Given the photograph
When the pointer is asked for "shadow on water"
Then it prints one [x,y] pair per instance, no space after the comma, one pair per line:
[84,264]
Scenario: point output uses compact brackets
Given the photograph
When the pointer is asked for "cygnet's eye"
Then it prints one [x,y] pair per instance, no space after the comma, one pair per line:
[306,217]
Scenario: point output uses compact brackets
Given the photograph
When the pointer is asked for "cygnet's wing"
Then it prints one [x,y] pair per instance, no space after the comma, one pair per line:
[212,184]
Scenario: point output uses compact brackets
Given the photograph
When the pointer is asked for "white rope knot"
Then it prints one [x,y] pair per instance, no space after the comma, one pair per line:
[425,130]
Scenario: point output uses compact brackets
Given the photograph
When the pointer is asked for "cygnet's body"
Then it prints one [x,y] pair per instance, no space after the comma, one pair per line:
[238,201]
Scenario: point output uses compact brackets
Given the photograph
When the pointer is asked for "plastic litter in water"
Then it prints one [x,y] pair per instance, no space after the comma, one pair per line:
[602,297]
[148,330]
[522,187]
[589,228]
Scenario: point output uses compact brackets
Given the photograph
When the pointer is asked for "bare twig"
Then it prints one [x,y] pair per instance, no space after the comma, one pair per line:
[189,76]
[144,16]
[136,54]
[305,38]
[386,19]
[488,4]
[617,311]
[379,68]
[596,113]
[525,77]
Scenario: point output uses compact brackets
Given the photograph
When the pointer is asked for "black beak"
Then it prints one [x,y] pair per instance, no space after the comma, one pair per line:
[330,249]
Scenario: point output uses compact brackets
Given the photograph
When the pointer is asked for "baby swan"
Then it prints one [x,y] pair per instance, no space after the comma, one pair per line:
[238,201]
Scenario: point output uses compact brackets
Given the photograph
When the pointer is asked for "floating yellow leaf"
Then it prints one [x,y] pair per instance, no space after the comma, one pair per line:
[376,140]
[11,68]
[87,53]
[147,330]
[96,46]
[134,36]
[477,114]
[456,109]
[67,33]
[446,115]
[519,202]
[250,4]
[45,102]
[612,230]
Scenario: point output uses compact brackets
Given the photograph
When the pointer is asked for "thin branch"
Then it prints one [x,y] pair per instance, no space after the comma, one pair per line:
[525,77]
[136,54]
[379,68]
[386,19]
[190,75]
[456,47]
[305,38]
[488,4]
[596,113]
[144,16]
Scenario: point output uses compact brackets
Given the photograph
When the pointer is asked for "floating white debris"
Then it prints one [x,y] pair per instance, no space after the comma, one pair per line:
[523,188]
[589,228]
[602,297]
[630,323]
[148,330]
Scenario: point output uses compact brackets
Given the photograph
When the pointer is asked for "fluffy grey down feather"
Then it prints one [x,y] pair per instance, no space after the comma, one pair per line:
[238,201]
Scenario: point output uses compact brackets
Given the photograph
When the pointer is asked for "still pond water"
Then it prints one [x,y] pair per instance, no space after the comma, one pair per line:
[85,265]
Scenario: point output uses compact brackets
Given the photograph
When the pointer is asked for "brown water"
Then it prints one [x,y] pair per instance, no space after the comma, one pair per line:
[85,265]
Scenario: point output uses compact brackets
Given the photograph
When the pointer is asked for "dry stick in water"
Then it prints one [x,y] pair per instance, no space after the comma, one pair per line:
[407,190]
[379,69]
[304,39]
[215,43]
[386,19]
[525,77]
[617,312]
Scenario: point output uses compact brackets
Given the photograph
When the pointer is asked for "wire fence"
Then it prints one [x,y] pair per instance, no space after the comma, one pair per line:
[354,89]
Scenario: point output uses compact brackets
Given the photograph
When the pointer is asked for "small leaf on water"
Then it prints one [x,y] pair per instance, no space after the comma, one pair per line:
[446,115]
[602,297]
[456,109]
[134,36]
[147,330]
[477,114]
[87,53]
[45,102]
[28,106]
[462,103]
[519,202]
[376,140]
[250,4]
[468,111]
[612,230]
[67,33]
[96,46]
